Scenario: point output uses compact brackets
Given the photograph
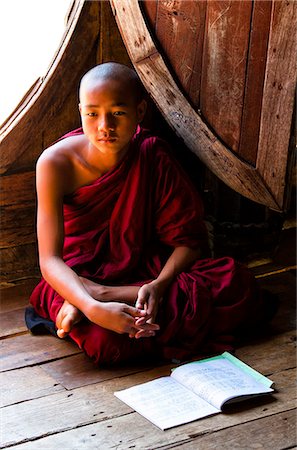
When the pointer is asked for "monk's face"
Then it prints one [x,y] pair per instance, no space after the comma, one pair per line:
[110,114]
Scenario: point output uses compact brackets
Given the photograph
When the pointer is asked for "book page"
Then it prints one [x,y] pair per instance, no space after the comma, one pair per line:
[165,402]
[247,369]
[218,380]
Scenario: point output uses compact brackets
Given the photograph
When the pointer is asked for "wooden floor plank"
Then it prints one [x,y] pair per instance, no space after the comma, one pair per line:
[78,370]
[283,285]
[25,384]
[124,430]
[271,355]
[15,297]
[116,434]
[26,350]
[95,403]
[12,322]
[279,431]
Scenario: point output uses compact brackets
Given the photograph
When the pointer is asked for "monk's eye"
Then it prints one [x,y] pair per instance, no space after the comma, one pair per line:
[119,113]
[91,114]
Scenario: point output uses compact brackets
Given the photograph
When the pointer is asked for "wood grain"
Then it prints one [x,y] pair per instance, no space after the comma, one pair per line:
[96,403]
[224,67]
[179,29]
[20,385]
[182,117]
[117,433]
[278,97]
[26,350]
[280,348]
[279,429]
[255,74]
[110,46]
[17,224]
[79,370]
[12,322]
[16,296]
[150,10]
[198,137]
[19,262]
[17,189]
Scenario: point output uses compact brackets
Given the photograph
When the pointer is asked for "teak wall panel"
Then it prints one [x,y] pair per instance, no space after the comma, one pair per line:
[224,67]
[278,98]
[150,11]
[255,75]
[180,30]
[17,188]
[110,45]
[234,59]
[17,225]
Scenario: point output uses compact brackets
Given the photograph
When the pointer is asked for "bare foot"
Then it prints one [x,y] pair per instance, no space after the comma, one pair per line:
[67,317]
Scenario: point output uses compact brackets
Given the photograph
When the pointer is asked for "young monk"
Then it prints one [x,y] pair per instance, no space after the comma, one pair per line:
[120,232]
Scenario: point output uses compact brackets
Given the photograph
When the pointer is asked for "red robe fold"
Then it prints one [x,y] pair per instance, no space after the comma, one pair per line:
[121,229]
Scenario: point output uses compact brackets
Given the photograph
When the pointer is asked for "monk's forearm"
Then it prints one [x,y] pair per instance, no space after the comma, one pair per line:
[66,283]
[127,294]
[179,261]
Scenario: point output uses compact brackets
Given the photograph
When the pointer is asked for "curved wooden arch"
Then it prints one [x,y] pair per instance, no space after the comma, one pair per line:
[264,183]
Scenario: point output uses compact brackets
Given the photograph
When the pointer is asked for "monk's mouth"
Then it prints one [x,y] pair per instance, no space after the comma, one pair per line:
[106,141]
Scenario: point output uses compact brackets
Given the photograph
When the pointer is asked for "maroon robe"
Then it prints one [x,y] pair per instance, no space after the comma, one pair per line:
[121,229]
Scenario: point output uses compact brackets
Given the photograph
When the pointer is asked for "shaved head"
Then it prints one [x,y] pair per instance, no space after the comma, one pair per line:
[118,72]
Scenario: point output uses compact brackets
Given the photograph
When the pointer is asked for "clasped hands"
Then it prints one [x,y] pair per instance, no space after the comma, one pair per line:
[147,301]
[137,321]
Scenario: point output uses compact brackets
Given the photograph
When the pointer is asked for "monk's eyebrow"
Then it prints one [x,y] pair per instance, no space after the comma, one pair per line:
[119,104]
[116,104]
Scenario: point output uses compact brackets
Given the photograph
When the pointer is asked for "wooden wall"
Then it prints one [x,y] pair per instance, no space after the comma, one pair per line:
[218,52]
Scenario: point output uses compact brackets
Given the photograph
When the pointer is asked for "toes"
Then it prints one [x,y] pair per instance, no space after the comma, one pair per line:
[61,333]
[66,318]
[67,324]
[59,319]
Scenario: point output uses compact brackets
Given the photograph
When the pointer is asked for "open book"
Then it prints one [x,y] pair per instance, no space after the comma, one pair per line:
[195,390]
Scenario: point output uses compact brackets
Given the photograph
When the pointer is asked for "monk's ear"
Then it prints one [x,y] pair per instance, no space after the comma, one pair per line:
[141,110]
[79,108]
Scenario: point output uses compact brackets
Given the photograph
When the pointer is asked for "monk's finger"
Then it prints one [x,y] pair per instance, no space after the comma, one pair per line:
[132,333]
[153,305]
[144,334]
[142,297]
[134,312]
[148,326]
[141,320]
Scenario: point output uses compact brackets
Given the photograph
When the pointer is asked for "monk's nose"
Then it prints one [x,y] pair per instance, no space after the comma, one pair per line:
[106,123]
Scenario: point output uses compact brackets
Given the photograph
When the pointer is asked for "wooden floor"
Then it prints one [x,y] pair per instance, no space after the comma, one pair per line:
[53,397]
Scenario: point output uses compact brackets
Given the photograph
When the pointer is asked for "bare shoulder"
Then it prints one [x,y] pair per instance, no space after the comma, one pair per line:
[64,153]
[60,163]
